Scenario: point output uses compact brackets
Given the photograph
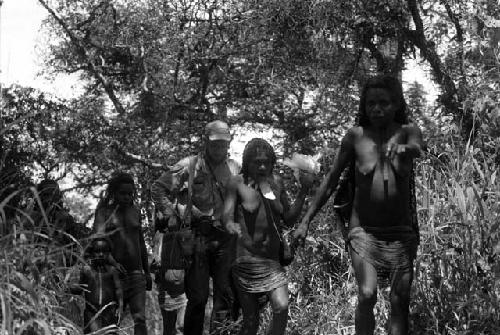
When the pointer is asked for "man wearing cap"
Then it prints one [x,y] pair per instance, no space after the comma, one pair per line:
[211,170]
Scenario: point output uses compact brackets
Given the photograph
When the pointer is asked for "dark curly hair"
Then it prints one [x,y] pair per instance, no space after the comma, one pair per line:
[395,89]
[250,151]
[117,179]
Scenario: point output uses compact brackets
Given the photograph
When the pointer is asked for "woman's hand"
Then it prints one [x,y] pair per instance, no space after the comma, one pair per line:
[394,149]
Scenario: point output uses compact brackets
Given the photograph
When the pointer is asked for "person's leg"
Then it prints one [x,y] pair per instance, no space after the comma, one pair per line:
[223,296]
[250,308]
[366,278]
[169,318]
[197,289]
[137,304]
[169,321]
[164,313]
[279,304]
[179,324]
[400,301]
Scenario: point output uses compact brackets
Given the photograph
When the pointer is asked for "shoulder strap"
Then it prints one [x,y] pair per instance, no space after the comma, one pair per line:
[269,214]
[218,186]
[186,221]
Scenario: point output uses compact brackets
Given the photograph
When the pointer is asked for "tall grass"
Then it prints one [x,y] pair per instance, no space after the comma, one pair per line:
[35,278]
[33,290]
[457,282]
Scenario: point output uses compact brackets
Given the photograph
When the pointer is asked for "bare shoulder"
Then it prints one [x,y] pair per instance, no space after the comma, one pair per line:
[353,134]
[355,131]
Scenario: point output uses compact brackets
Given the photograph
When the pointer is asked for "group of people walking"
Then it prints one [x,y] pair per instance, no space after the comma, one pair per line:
[224,221]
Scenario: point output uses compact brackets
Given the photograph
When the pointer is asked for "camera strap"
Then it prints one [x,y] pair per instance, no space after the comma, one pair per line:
[186,220]
[218,185]
[269,214]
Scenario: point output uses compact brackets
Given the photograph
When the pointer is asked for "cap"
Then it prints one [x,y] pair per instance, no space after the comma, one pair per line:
[218,130]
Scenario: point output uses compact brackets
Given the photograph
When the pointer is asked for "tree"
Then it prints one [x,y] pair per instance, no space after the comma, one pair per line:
[169,67]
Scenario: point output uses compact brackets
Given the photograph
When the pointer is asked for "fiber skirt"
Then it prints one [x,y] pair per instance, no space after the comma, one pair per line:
[258,275]
[387,249]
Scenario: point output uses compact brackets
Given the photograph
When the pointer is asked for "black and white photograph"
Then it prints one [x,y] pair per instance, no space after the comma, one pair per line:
[249,167]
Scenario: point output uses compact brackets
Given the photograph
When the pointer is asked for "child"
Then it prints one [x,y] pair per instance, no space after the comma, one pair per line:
[102,287]
[169,268]
[256,203]
[118,218]
[381,238]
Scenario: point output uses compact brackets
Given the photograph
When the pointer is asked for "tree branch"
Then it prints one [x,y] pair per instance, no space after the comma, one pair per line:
[84,54]
[135,158]
[459,37]
[450,97]
[82,185]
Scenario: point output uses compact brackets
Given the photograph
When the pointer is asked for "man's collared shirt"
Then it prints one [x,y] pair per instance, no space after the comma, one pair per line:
[170,191]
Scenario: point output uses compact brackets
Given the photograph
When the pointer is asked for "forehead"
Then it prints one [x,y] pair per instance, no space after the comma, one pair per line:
[379,93]
[261,154]
[100,246]
[218,142]
[126,188]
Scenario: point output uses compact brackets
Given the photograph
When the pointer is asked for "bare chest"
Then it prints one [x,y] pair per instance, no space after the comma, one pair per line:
[371,155]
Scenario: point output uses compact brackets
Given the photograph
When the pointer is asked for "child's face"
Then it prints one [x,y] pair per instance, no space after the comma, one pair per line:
[125,194]
[100,253]
[260,166]
[380,107]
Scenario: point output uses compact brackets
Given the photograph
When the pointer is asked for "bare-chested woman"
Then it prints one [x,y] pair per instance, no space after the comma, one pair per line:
[381,236]
[118,218]
[256,204]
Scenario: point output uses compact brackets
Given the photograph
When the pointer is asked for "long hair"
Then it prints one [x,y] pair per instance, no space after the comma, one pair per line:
[250,152]
[117,179]
[395,89]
